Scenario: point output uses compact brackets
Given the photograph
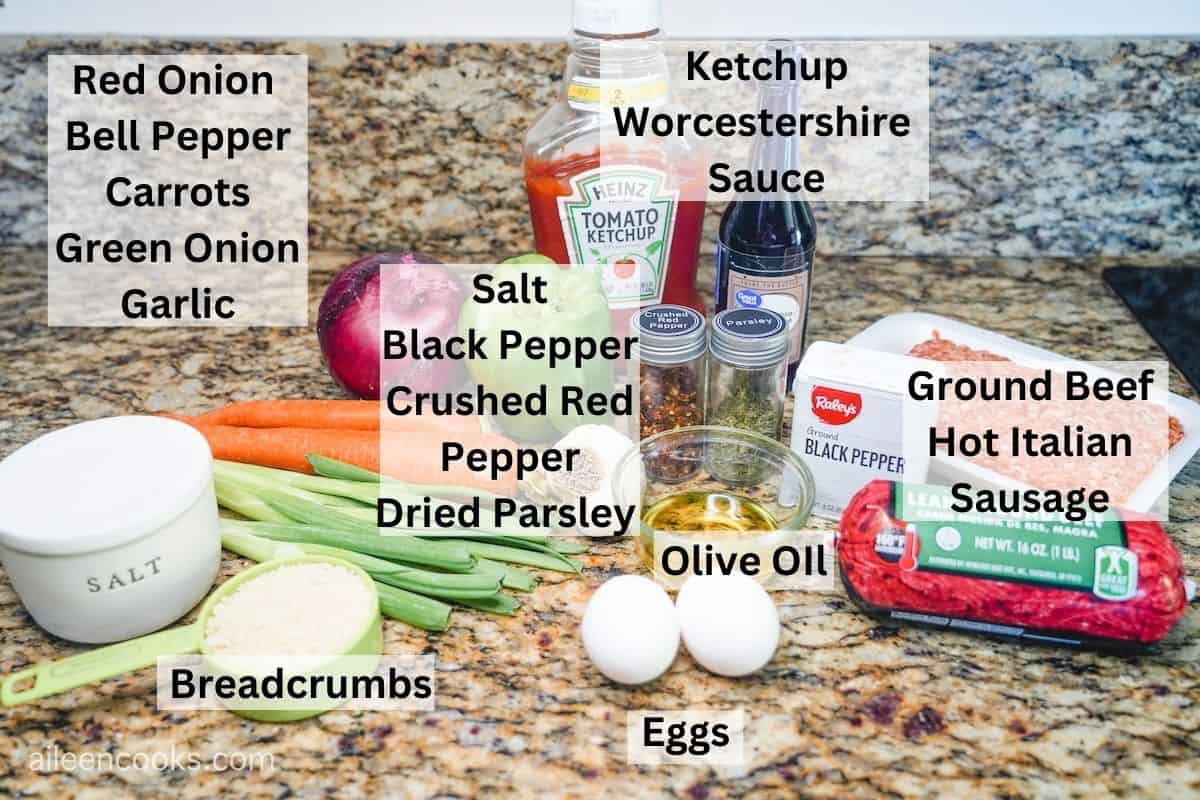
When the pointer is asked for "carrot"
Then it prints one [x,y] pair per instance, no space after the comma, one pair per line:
[413,457]
[346,415]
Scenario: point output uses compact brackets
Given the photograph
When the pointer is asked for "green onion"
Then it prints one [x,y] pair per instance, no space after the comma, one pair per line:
[360,493]
[371,515]
[497,604]
[334,501]
[525,544]
[318,490]
[235,498]
[510,577]
[568,548]
[366,494]
[247,544]
[235,483]
[515,555]
[418,610]
[515,538]
[447,556]
[251,476]
[332,468]
[302,509]
[507,541]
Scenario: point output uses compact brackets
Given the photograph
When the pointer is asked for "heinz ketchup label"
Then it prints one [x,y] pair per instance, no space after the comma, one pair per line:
[621,218]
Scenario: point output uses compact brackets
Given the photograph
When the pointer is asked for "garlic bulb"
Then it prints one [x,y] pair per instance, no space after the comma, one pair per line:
[601,449]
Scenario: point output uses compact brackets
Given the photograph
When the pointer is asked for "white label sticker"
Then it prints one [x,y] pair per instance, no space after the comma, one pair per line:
[621,218]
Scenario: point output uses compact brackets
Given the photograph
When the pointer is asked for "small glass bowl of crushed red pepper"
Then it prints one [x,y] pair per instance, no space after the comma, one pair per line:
[672,345]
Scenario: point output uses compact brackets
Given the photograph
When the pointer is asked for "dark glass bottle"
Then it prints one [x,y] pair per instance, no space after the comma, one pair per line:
[766,240]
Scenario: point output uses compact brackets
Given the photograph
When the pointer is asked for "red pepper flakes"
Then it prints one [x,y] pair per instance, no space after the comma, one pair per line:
[670,399]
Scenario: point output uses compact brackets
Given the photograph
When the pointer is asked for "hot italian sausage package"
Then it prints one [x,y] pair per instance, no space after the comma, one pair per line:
[1110,580]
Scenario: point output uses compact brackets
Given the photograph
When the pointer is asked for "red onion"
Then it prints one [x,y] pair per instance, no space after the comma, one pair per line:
[350,322]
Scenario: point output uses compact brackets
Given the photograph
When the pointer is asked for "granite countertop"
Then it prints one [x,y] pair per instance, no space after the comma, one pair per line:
[846,708]
[1066,147]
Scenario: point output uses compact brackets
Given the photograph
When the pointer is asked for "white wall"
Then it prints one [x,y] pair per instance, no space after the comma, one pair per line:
[549,19]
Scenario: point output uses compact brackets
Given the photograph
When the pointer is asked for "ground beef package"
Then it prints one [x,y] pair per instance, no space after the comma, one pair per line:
[1111,580]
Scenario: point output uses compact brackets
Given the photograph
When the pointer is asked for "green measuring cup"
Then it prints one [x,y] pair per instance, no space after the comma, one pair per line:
[54,677]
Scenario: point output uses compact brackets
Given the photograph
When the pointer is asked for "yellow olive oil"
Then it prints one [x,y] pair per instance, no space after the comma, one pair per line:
[703,515]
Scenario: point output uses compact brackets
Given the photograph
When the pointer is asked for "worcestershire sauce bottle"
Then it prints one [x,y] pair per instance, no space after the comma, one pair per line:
[766,239]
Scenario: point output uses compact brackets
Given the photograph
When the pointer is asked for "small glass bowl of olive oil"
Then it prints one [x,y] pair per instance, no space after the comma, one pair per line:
[710,506]
[709,512]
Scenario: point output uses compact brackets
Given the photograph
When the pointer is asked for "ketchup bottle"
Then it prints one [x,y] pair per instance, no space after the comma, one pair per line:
[632,205]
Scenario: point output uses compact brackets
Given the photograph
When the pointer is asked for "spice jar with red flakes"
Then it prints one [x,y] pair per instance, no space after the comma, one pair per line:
[672,343]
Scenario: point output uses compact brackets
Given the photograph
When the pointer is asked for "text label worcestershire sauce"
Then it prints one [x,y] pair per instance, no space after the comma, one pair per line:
[634,206]
[767,239]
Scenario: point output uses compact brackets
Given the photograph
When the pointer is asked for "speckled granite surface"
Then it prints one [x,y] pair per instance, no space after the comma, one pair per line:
[1039,148]
[846,708]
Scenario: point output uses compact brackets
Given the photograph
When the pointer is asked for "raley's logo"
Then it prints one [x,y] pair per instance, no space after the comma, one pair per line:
[835,406]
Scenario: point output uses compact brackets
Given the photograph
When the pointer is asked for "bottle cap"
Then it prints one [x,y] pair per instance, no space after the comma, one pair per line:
[617,17]
[668,334]
[780,51]
[749,337]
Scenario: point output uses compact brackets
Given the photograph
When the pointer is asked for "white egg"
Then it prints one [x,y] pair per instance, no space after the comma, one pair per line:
[729,623]
[630,629]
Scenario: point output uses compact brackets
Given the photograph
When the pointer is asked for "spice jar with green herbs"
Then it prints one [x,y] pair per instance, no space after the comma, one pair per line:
[746,385]
[672,345]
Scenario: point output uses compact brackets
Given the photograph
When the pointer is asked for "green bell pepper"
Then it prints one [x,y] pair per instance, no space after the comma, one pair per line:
[576,305]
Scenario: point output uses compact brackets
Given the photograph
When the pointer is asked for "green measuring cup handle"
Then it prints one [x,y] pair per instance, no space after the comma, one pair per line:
[53,677]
